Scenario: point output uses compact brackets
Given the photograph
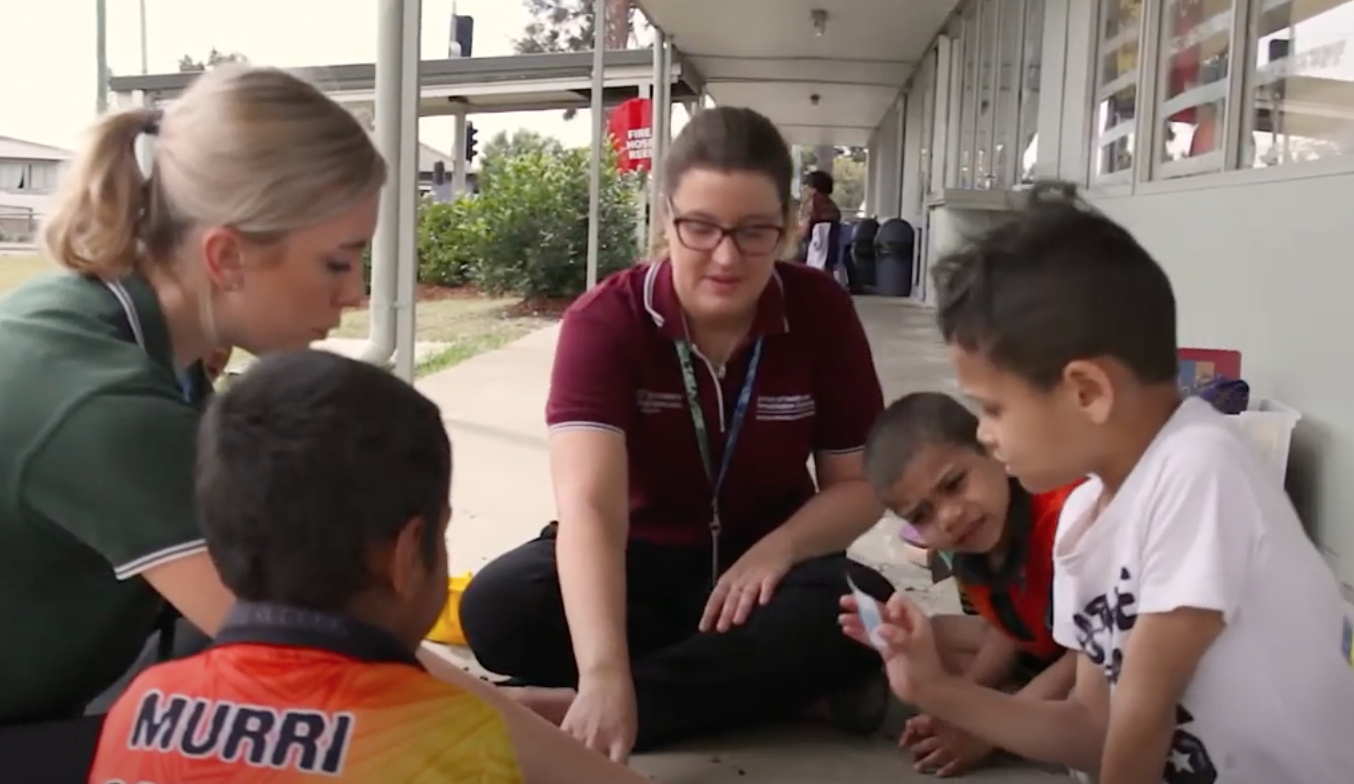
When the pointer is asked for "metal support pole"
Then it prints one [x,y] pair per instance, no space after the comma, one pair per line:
[669,45]
[598,137]
[101,53]
[459,164]
[659,135]
[406,289]
[385,251]
[145,46]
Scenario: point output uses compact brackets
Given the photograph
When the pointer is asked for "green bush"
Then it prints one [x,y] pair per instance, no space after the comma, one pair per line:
[526,232]
[448,236]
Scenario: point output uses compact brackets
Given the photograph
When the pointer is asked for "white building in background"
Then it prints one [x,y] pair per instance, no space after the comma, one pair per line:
[28,177]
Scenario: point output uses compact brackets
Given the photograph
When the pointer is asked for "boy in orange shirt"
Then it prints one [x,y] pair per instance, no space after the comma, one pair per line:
[926,464]
[322,489]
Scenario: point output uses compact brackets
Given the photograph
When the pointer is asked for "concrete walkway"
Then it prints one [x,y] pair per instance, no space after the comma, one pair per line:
[493,406]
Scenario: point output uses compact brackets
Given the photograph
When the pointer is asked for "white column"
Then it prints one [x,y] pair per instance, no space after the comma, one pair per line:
[459,165]
[658,136]
[598,139]
[385,249]
[407,286]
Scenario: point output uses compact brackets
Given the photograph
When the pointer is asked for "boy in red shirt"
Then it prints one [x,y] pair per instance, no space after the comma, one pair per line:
[925,462]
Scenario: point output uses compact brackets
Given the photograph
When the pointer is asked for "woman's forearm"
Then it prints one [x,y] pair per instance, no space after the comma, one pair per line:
[591,563]
[830,521]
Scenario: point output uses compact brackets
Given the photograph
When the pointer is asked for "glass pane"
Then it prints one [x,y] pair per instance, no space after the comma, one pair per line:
[1007,111]
[1300,102]
[1028,134]
[983,174]
[1195,54]
[1116,93]
[968,91]
[925,91]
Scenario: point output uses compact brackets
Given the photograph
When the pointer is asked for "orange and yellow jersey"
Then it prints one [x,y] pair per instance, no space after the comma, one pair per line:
[289,696]
[1018,597]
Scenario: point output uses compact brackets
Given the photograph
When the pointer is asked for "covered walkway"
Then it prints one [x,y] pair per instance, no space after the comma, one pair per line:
[1221,133]
[494,407]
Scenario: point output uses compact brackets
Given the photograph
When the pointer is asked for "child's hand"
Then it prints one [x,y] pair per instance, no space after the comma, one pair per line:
[917,729]
[949,752]
[911,659]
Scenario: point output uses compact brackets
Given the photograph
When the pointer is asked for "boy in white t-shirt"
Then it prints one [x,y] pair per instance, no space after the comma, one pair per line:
[1214,641]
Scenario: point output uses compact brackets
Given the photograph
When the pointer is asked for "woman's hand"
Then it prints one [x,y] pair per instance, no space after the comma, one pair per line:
[748,584]
[603,715]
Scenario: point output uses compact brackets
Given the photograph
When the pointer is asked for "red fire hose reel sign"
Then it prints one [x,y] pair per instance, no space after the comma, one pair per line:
[631,130]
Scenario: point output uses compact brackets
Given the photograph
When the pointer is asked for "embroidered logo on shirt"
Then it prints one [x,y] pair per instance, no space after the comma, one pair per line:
[651,402]
[785,408]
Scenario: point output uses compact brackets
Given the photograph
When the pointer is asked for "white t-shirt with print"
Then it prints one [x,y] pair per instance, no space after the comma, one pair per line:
[1201,522]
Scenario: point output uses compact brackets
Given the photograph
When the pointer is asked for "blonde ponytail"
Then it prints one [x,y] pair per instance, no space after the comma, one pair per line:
[95,227]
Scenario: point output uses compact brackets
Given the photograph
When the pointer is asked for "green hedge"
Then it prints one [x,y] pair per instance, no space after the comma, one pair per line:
[526,232]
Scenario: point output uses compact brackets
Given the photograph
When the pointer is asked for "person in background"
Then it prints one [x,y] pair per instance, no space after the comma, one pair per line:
[926,464]
[1213,642]
[323,484]
[690,586]
[248,230]
[815,204]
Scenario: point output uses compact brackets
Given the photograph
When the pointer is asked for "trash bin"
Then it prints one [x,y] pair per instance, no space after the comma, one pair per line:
[862,251]
[893,258]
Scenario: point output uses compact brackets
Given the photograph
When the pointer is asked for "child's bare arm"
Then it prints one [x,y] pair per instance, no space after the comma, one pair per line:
[1054,683]
[994,661]
[1066,732]
[1159,661]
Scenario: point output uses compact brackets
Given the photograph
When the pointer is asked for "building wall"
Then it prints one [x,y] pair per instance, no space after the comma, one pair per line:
[1243,282]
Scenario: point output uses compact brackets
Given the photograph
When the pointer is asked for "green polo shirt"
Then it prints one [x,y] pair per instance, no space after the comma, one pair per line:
[96,487]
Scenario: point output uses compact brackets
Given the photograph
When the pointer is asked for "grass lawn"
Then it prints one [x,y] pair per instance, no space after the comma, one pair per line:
[466,324]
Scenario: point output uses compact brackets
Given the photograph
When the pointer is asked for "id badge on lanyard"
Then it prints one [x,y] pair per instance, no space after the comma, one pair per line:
[693,404]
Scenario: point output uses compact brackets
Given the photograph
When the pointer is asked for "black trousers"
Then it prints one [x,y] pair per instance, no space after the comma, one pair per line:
[61,751]
[788,655]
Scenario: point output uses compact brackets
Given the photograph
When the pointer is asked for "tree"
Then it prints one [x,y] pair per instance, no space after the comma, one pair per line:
[567,26]
[214,58]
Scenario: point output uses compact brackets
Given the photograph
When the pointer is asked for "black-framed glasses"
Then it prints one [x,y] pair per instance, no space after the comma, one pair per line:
[703,235]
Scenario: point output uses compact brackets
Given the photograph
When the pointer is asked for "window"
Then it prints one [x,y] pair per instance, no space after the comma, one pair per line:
[1027,133]
[35,177]
[1114,120]
[924,89]
[968,95]
[1010,30]
[984,174]
[1299,98]
[1192,85]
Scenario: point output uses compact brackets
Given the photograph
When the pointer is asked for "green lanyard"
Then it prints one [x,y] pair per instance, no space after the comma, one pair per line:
[740,409]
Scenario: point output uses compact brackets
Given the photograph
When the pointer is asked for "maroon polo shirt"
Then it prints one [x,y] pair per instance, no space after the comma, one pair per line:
[616,369]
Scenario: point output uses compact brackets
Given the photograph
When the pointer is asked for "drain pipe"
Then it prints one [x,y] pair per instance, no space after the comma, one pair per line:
[385,250]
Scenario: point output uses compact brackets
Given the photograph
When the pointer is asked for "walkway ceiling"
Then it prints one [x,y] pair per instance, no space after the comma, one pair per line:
[766,54]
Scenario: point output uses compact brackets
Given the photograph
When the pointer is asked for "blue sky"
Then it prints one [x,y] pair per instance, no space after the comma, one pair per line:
[48,64]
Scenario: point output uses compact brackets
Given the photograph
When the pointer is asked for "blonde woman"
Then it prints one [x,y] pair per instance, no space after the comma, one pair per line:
[248,232]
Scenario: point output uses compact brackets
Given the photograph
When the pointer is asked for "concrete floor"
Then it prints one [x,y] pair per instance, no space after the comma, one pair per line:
[493,406]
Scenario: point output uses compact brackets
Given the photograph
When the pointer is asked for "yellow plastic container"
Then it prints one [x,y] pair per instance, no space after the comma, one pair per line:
[447,630]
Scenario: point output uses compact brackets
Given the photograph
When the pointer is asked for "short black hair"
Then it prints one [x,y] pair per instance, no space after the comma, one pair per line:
[910,423]
[730,139]
[309,462]
[1057,283]
[820,181]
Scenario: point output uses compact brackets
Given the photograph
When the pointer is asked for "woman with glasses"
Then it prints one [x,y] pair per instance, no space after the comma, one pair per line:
[691,584]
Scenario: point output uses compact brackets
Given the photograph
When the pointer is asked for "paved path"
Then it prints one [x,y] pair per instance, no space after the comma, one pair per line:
[493,406]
